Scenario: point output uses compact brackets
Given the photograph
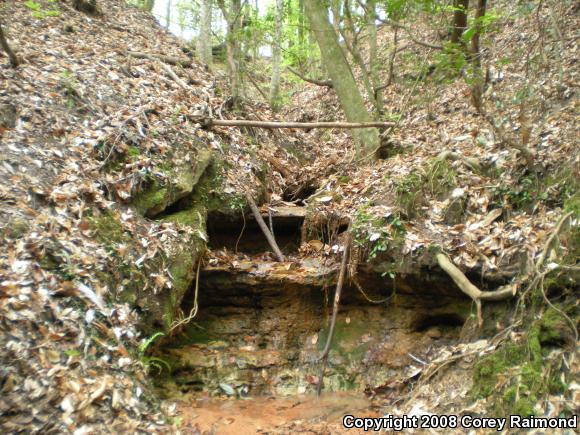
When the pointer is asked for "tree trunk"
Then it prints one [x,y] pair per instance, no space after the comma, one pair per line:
[14,61]
[148,5]
[233,17]
[204,39]
[479,82]
[276,57]
[459,19]
[373,54]
[168,14]
[367,140]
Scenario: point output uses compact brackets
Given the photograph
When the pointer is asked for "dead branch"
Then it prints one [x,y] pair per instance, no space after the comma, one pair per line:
[175,61]
[326,83]
[409,33]
[14,61]
[210,122]
[174,76]
[253,82]
[550,245]
[469,289]
[337,293]
[264,228]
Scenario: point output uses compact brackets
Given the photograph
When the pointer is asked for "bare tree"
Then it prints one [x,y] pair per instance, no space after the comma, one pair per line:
[459,19]
[233,17]
[343,80]
[276,57]
[204,40]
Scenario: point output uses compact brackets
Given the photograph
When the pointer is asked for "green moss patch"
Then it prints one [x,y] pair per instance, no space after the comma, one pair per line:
[517,376]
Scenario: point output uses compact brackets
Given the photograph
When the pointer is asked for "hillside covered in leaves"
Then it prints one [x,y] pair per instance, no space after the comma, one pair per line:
[114,180]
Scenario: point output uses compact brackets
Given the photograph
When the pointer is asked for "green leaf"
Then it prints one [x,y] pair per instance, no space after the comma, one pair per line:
[30,4]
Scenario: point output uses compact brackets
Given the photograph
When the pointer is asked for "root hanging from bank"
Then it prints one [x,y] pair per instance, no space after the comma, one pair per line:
[339,285]
[471,290]
[195,307]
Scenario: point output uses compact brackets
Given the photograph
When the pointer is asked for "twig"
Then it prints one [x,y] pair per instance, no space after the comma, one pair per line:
[548,246]
[270,222]
[339,285]
[325,83]
[264,228]
[241,232]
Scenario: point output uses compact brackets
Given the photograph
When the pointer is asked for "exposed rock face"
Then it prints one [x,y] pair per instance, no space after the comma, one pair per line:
[262,326]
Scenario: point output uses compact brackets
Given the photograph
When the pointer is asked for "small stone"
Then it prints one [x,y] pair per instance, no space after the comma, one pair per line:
[7,115]
[434,333]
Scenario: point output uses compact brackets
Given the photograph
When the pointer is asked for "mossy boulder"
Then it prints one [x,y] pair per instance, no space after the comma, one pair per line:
[181,181]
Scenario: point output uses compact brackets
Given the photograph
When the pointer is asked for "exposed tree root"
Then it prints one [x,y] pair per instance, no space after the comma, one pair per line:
[339,285]
[469,289]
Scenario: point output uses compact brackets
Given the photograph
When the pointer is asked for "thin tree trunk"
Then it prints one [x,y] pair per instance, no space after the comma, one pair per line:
[14,61]
[276,57]
[168,14]
[459,19]
[204,40]
[148,5]
[373,54]
[479,82]
[367,140]
[393,56]
[233,18]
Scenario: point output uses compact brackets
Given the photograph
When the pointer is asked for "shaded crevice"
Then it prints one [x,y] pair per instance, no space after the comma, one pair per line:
[243,234]
[444,321]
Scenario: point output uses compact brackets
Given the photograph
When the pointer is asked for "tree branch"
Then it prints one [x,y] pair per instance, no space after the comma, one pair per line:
[327,83]
[410,34]
[264,228]
[210,122]
[185,63]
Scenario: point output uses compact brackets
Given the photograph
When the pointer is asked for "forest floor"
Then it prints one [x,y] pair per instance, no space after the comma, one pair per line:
[84,124]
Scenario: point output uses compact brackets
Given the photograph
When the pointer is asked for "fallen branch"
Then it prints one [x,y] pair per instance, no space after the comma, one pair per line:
[210,122]
[337,293]
[550,245]
[326,83]
[174,76]
[175,61]
[469,289]
[264,228]
[14,61]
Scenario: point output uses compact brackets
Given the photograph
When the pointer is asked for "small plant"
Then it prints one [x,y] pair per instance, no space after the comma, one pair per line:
[69,84]
[152,361]
[376,235]
[38,11]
